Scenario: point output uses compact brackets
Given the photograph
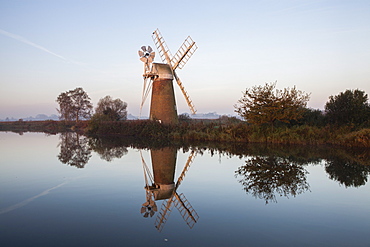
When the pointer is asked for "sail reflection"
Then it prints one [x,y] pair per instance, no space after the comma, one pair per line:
[265,177]
[161,186]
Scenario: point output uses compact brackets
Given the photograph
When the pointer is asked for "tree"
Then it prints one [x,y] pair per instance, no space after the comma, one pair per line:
[108,148]
[109,109]
[347,172]
[313,117]
[263,104]
[349,107]
[267,176]
[74,105]
[65,106]
[184,117]
[74,149]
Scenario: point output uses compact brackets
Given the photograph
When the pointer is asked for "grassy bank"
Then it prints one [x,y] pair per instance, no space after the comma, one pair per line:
[215,130]
[49,126]
[235,131]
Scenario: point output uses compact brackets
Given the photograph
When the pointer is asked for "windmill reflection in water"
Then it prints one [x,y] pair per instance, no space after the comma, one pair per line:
[160,185]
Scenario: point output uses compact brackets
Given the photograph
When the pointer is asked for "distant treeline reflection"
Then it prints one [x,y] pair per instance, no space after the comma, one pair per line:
[268,170]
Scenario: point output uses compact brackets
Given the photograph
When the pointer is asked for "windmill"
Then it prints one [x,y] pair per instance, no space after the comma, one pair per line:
[163,188]
[158,77]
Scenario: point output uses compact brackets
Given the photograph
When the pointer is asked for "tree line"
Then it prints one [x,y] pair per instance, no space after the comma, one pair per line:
[263,105]
[266,105]
[269,115]
[75,105]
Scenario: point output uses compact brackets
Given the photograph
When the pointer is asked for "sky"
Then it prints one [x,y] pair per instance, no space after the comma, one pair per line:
[49,47]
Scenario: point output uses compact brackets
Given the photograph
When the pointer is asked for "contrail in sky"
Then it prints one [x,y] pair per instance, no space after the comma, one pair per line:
[25,202]
[24,40]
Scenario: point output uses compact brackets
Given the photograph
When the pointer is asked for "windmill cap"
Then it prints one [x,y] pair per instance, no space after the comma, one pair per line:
[164,191]
[163,71]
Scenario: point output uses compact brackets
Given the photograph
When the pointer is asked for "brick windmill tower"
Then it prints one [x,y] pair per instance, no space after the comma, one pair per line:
[158,78]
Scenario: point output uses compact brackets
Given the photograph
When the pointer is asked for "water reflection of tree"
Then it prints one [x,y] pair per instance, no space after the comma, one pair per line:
[347,172]
[74,149]
[108,148]
[348,166]
[265,177]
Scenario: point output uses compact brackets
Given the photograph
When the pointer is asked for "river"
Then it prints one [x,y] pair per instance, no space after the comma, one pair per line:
[70,190]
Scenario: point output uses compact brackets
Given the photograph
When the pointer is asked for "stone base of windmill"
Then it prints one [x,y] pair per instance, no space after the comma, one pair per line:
[163,104]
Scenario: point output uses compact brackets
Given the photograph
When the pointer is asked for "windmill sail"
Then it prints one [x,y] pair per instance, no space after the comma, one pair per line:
[185,93]
[186,210]
[162,47]
[179,201]
[164,213]
[184,53]
[185,169]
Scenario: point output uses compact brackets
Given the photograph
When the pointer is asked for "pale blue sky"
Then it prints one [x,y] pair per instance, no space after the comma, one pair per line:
[48,47]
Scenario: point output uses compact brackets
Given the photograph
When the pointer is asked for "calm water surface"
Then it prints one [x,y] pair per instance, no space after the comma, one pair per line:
[67,190]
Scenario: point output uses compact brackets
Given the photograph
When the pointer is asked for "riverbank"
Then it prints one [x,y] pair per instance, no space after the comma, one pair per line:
[48,126]
[207,130]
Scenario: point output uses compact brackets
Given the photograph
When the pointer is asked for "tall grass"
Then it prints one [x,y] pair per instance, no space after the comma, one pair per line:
[216,131]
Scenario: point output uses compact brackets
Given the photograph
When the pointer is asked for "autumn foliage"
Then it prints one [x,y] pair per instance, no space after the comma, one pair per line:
[267,105]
